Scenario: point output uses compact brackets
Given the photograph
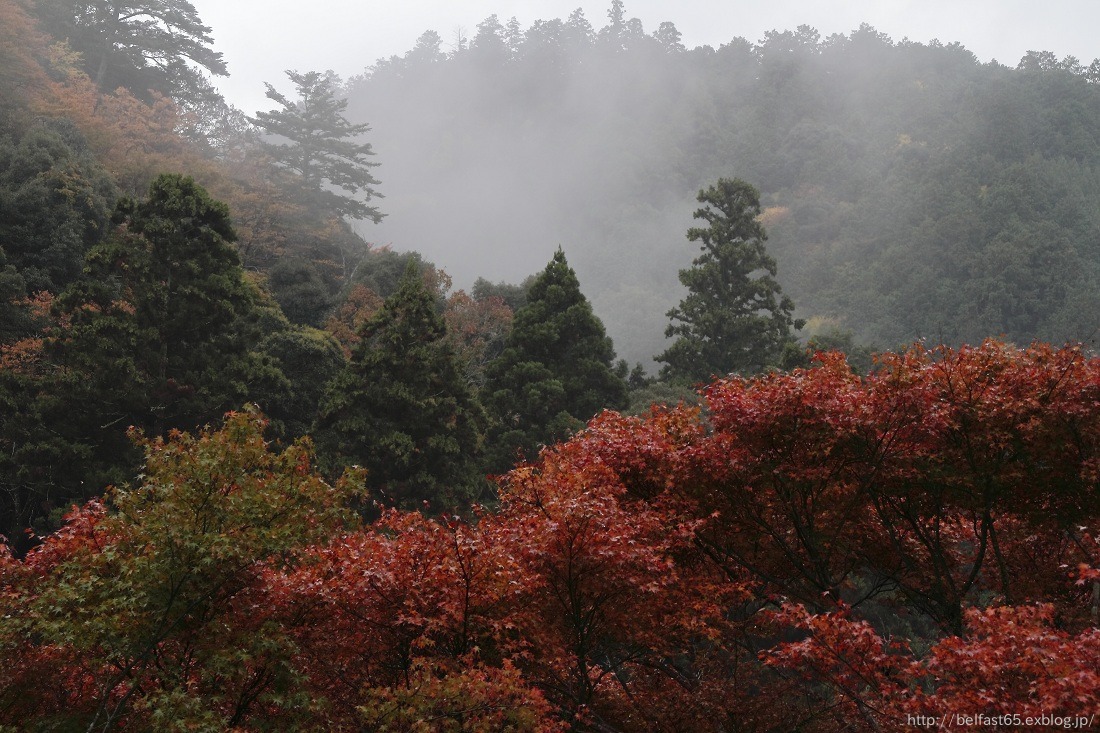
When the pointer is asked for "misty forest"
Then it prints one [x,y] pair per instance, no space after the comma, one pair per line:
[549,378]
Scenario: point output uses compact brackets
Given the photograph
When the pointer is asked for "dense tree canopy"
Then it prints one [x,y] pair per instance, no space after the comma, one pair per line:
[55,203]
[144,45]
[165,300]
[309,359]
[301,291]
[830,549]
[822,551]
[161,332]
[149,590]
[908,189]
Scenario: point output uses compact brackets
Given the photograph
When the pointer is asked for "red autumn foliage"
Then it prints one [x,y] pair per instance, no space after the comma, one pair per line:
[812,551]
[1013,664]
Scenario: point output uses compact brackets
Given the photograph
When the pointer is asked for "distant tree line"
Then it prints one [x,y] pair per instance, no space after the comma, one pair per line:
[909,190]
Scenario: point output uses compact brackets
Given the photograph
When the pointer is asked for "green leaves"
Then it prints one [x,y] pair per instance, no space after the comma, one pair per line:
[150,589]
[808,553]
[555,371]
[734,318]
[402,407]
[321,149]
[161,332]
[55,202]
[143,45]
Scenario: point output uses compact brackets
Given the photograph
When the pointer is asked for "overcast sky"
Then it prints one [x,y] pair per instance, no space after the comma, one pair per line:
[260,39]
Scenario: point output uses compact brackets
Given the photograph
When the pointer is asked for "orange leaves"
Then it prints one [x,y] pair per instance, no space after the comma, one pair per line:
[847,655]
[135,141]
[149,590]
[782,474]
[611,583]
[583,543]
[373,607]
[943,478]
[476,329]
[474,699]
[818,473]
[346,323]
[24,355]
[643,452]
[24,76]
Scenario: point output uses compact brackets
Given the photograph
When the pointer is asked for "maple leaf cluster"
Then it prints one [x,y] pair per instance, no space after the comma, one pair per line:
[813,551]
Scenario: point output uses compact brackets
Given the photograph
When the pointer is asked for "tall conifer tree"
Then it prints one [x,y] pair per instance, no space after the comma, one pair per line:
[161,332]
[556,370]
[164,315]
[322,150]
[55,203]
[735,317]
[402,409]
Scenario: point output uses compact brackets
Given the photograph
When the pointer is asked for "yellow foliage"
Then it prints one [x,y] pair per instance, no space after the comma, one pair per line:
[773,215]
[820,324]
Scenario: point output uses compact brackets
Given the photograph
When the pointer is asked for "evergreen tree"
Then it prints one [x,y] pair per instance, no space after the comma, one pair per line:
[55,203]
[309,359]
[489,42]
[669,37]
[170,286]
[556,371]
[300,290]
[614,31]
[382,270]
[513,37]
[402,409]
[141,45]
[579,33]
[22,432]
[426,52]
[161,331]
[13,290]
[514,296]
[735,318]
[321,151]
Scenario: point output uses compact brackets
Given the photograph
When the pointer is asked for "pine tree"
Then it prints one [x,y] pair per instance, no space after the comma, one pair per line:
[556,370]
[402,409]
[142,45]
[321,151]
[617,25]
[309,359]
[735,318]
